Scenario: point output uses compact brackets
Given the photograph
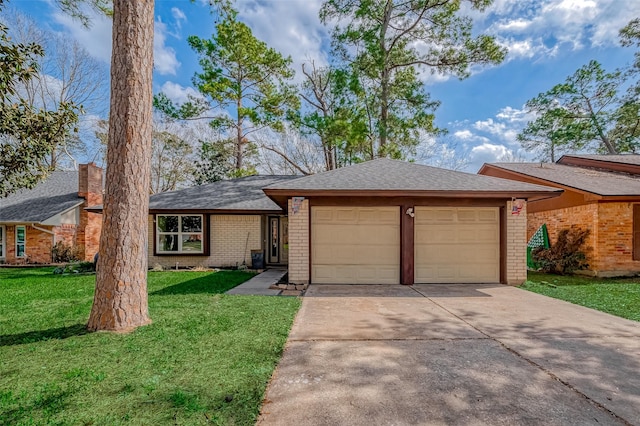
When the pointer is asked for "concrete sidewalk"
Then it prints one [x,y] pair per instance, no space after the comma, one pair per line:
[453,354]
[259,285]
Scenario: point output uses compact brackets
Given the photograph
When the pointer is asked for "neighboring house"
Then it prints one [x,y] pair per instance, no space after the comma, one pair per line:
[388,221]
[601,193]
[32,221]
[218,224]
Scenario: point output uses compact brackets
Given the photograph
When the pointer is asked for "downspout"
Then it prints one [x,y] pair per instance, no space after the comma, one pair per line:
[47,231]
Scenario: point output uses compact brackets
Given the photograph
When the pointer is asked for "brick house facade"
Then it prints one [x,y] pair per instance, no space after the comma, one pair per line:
[32,221]
[220,224]
[383,221]
[601,194]
[407,224]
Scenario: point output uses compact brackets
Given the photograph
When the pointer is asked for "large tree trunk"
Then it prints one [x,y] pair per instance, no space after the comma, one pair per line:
[120,301]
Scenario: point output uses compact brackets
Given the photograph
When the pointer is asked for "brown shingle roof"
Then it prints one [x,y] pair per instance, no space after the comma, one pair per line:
[236,194]
[618,158]
[392,175]
[589,180]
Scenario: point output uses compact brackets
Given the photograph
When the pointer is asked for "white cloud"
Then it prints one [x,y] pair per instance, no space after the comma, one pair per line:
[528,48]
[494,138]
[465,135]
[165,61]
[96,39]
[177,93]
[489,126]
[178,16]
[517,25]
[539,28]
[514,115]
[490,150]
[487,153]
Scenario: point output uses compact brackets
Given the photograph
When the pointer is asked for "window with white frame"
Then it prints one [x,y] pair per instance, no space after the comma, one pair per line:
[21,238]
[3,243]
[180,233]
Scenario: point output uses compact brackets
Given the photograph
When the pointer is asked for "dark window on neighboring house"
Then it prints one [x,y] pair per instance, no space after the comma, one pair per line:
[21,241]
[3,244]
[636,232]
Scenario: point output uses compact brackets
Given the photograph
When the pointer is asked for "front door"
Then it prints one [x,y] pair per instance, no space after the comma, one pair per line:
[278,249]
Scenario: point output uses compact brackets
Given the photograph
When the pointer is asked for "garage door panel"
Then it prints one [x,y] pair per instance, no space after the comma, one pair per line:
[355,245]
[441,215]
[355,274]
[377,217]
[457,245]
[488,215]
[470,272]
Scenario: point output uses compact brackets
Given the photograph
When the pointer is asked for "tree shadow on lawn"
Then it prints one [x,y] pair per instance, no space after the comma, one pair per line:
[40,335]
[217,283]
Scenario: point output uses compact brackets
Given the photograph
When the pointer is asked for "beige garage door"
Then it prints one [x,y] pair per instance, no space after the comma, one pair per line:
[457,245]
[355,245]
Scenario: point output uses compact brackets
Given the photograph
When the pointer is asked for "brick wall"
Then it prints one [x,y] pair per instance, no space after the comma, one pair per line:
[614,247]
[299,243]
[66,233]
[231,239]
[609,247]
[38,245]
[90,226]
[516,262]
[579,217]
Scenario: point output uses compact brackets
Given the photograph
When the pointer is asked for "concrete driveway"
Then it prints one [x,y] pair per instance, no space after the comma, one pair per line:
[453,354]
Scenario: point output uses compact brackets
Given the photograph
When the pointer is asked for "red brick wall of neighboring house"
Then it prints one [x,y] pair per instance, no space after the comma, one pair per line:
[615,240]
[579,217]
[37,245]
[66,233]
[610,244]
[90,224]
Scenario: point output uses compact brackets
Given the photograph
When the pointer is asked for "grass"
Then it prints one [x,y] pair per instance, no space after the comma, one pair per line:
[206,358]
[617,296]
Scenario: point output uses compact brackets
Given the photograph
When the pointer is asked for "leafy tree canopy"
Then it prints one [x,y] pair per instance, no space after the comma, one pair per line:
[585,112]
[27,135]
[244,87]
[384,45]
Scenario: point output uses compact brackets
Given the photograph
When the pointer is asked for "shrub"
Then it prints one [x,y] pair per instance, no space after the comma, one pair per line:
[566,255]
[85,267]
[62,252]
[75,268]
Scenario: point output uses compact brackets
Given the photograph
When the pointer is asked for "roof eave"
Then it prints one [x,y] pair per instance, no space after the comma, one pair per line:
[217,211]
[544,181]
[19,222]
[280,195]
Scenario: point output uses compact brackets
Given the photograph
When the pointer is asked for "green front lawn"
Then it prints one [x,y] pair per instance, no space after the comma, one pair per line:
[206,358]
[617,296]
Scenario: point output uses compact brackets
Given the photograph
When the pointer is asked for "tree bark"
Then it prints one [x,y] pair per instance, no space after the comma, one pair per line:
[120,301]
[384,81]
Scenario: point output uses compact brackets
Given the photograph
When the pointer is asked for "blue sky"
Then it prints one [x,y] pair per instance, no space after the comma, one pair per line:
[547,41]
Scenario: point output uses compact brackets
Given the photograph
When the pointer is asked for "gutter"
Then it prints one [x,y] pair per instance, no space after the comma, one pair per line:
[53,234]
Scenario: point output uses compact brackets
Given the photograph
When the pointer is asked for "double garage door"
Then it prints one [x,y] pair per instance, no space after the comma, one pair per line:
[361,245]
